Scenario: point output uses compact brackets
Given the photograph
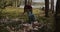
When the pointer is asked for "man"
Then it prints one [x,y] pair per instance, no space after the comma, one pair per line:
[28,9]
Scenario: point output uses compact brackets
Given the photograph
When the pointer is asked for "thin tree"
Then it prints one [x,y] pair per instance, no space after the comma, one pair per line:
[16,3]
[46,7]
[25,2]
[19,3]
[52,6]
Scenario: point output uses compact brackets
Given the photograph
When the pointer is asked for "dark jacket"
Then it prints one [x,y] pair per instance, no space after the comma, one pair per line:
[27,8]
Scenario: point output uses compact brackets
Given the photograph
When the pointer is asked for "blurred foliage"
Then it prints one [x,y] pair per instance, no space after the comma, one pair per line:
[5,3]
[4,30]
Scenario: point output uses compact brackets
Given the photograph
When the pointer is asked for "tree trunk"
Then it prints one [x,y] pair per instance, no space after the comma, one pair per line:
[16,3]
[46,7]
[25,2]
[57,16]
[52,6]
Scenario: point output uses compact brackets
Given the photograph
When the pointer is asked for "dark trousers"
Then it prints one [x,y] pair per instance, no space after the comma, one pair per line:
[31,18]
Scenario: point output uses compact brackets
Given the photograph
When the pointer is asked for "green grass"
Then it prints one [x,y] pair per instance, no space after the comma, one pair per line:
[14,12]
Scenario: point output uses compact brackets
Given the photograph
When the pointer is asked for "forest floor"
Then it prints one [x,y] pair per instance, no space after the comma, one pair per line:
[12,14]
